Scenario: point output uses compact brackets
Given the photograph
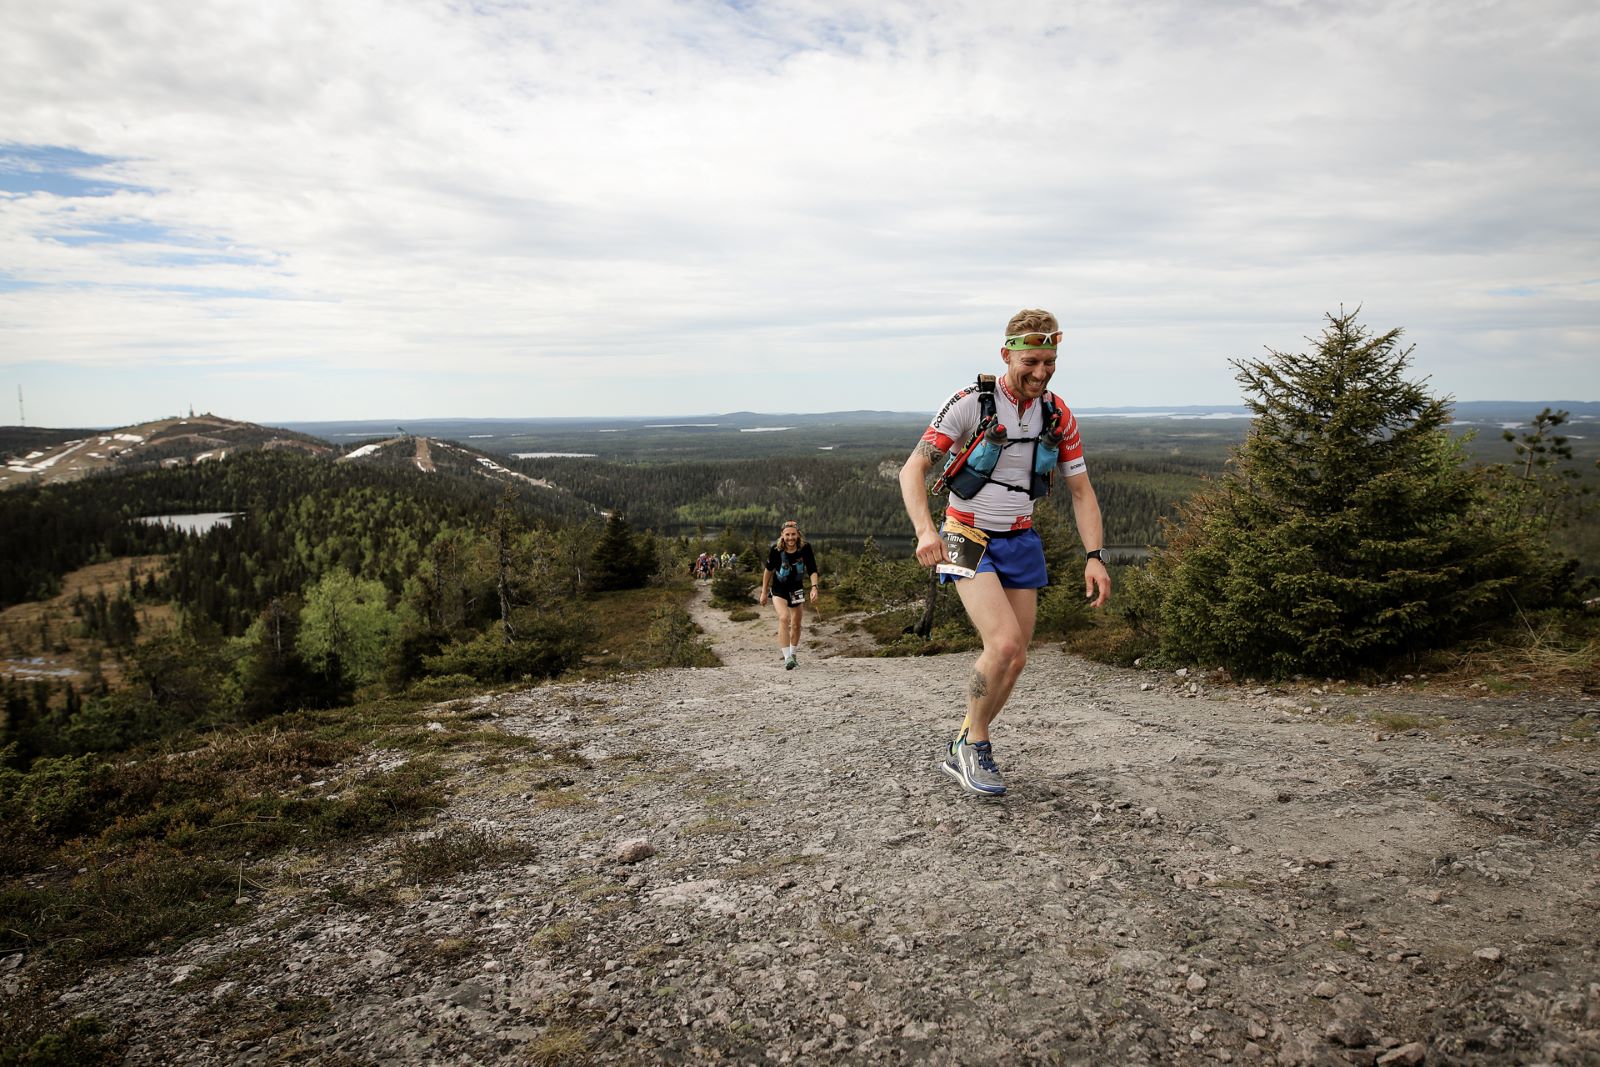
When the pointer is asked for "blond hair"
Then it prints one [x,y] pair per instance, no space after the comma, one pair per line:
[1032,320]
[799,534]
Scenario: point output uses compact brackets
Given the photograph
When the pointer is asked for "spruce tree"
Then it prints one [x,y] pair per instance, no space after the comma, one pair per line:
[1346,531]
[618,561]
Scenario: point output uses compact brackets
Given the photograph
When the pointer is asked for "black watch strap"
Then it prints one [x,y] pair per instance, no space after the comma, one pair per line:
[1097,553]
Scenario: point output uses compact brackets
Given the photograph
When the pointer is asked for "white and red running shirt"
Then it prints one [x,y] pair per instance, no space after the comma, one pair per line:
[996,507]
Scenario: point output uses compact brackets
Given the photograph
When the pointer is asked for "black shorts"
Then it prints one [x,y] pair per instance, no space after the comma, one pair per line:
[793,597]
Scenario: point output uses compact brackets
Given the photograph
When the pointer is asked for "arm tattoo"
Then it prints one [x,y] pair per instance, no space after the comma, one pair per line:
[927,449]
[978,687]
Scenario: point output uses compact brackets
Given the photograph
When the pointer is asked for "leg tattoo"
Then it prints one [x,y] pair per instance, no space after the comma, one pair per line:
[978,687]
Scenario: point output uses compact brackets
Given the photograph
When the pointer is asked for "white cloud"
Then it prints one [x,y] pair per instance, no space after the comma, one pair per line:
[674,207]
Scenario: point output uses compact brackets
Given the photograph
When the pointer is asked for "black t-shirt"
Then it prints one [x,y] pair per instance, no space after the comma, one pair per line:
[789,569]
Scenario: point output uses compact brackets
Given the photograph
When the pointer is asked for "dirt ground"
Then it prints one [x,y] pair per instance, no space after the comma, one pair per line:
[761,866]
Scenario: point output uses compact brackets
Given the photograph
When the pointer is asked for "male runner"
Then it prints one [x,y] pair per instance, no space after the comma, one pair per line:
[988,531]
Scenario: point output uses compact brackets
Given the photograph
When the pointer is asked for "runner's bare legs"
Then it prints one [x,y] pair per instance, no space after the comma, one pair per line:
[1004,619]
[789,619]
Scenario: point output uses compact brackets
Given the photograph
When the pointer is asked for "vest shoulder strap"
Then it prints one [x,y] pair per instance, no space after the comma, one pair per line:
[986,408]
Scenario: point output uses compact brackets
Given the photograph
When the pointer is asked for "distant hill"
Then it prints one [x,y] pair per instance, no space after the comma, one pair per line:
[34,455]
[47,456]
[1519,412]
[431,455]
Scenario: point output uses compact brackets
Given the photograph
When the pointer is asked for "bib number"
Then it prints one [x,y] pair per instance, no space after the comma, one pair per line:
[964,547]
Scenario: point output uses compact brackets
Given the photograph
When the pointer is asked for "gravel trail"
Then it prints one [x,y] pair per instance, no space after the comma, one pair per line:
[748,865]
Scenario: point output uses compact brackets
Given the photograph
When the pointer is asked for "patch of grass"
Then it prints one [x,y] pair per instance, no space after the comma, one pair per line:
[162,837]
[1498,685]
[608,908]
[365,896]
[743,615]
[1583,729]
[152,898]
[587,887]
[209,974]
[34,1033]
[560,798]
[1399,721]
[624,618]
[552,937]
[1109,638]
[448,853]
[445,686]
[445,949]
[951,630]
[760,868]
[285,1013]
[1542,650]
[557,1046]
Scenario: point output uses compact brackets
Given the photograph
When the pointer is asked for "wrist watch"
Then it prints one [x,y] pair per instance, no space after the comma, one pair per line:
[1096,553]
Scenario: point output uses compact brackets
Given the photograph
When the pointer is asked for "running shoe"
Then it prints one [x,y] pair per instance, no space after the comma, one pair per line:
[789,663]
[972,764]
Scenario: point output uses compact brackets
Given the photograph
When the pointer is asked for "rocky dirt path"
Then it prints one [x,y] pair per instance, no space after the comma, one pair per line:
[747,865]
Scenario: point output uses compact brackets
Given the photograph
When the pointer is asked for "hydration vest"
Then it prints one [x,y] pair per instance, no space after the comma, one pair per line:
[971,467]
[787,569]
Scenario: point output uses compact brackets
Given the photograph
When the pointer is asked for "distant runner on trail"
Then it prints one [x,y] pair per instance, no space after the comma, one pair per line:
[999,443]
[789,562]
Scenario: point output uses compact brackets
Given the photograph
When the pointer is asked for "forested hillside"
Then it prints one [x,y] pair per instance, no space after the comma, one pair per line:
[836,498]
[301,511]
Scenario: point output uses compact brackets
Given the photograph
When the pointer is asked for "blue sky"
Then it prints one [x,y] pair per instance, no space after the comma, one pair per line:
[367,209]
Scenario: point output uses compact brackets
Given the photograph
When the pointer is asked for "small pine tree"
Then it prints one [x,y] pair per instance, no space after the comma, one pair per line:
[1541,488]
[619,561]
[1346,531]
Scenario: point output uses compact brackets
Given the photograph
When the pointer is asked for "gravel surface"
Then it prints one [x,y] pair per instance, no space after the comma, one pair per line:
[748,865]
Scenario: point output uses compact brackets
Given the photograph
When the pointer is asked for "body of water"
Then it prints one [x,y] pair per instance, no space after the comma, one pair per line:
[195,524]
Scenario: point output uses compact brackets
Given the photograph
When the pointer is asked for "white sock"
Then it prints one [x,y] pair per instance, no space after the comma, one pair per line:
[788,650]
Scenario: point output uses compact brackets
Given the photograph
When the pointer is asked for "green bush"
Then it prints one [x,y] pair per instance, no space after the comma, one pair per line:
[675,640]
[873,582]
[543,647]
[731,588]
[36,1035]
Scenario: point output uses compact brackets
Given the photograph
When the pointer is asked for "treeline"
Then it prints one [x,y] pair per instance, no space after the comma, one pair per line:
[48,531]
[839,498]
[305,514]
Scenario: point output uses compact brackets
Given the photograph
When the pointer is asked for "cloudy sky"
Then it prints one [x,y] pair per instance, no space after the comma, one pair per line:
[312,209]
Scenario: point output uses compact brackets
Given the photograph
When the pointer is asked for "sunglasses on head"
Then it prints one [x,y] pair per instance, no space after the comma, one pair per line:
[1035,340]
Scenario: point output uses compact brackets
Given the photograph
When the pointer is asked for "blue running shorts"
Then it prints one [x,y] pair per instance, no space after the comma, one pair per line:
[1017,556]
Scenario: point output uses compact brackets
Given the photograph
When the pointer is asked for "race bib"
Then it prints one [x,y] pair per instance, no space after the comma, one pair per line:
[796,598]
[964,547]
